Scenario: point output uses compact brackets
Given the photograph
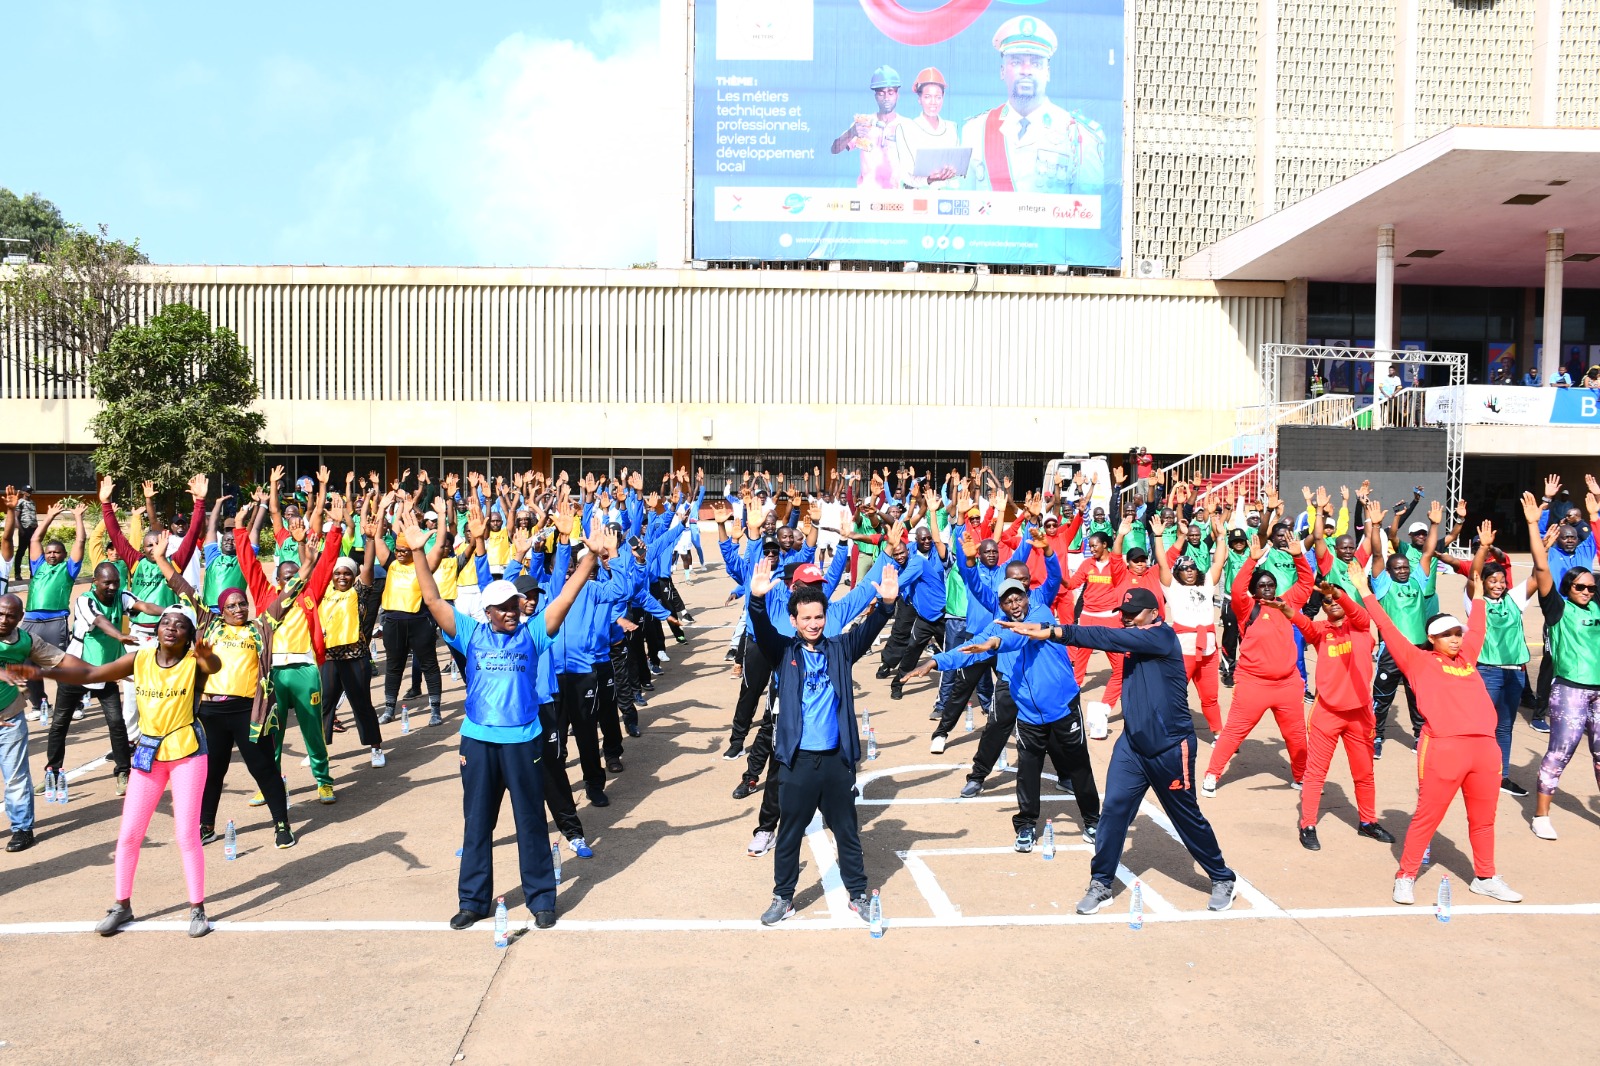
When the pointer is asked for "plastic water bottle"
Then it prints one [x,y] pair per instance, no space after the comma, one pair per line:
[44,714]
[1136,907]
[555,862]
[49,786]
[405,719]
[872,744]
[969,718]
[1427,855]
[287,802]
[1000,763]
[1049,846]
[501,937]
[230,842]
[1441,908]
[875,915]
[866,720]
[61,787]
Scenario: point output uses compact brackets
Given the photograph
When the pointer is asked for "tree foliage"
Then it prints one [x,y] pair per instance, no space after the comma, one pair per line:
[31,218]
[176,400]
[58,316]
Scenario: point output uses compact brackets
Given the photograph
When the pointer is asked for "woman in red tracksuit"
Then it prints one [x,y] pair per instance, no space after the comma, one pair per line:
[1100,576]
[1457,751]
[1343,710]
[1265,678]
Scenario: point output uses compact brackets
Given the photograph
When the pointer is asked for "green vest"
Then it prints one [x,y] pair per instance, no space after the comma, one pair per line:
[1280,564]
[1503,641]
[147,584]
[1231,568]
[1339,574]
[50,588]
[13,655]
[1135,539]
[1414,557]
[223,573]
[122,574]
[1406,605]
[1201,554]
[98,648]
[1575,644]
[287,552]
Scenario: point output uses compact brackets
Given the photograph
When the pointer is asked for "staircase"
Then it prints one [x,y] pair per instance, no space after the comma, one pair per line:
[1239,462]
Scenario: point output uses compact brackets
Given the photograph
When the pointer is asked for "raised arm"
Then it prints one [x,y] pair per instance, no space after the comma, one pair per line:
[199,485]
[114,536]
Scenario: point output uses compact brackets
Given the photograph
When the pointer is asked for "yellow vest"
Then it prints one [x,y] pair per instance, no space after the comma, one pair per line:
[340,617]
[498,548]
[165,699]
[294,635]
[445,577]
[400,591]
[241,667]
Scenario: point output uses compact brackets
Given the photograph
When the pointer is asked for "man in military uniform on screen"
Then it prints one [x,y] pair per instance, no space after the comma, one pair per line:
[1029,144]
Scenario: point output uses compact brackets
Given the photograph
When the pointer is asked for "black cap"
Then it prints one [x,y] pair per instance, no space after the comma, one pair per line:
[769,544]
[1138,599]
[526,585]
[1237,534]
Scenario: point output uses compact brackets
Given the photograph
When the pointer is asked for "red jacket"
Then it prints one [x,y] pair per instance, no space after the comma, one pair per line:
[1012,538]
[1451,697]
[1344,657]
[1099,584]
[1150,579]
[263,591]
[1266,644]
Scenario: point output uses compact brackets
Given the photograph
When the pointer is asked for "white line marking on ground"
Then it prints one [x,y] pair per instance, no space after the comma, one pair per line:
[923,877]
[1257,899]
[997,795]
[1154,902]
[828,863]
[93,764]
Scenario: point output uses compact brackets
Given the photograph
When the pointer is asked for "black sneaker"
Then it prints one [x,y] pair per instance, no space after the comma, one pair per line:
[435,718]
[1511,788]
[1308,838]
[646,686]
[747,787]
[386,716]
[284,839]
[209,835]
[733,752]
[614,765]
[21,840]
[466,919]
[971,789]
[414,694]
[597,797]
[544,919]
[1376,832]
[731,655]
[896,691]
[883,672]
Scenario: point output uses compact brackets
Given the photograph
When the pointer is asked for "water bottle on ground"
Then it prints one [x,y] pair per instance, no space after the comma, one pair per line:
[1136,907]
[1427,856]
[49,786]
[1049,846]
[1441,909]
[405,719]
[875,915]
[501,937]
[555,862]
[230,842]
[44,714]
[866,720]
[969,718]
[1000,763]
[61,787]
[872,744]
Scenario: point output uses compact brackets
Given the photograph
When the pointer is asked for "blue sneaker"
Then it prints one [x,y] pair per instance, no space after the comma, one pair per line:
[1024,839]
[1540,724]
[581,848]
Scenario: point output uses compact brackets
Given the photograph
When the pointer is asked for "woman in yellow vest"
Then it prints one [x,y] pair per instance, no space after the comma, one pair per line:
[168,677]
[347,612]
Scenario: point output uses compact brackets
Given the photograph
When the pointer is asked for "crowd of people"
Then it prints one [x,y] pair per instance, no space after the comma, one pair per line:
[554,597]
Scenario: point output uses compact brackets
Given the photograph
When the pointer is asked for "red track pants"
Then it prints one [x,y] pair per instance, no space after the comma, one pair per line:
[1445,766]
[1254,697]
[1327,728]
[1202,670]
[1080,663]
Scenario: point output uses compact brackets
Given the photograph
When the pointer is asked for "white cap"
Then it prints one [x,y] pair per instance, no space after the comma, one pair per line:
[431,516]
[497,592]
[1444,624]
[1417,527]
[185,610]
[346,563]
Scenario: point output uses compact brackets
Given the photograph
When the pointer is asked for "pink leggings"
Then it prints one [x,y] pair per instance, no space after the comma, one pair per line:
[188,777]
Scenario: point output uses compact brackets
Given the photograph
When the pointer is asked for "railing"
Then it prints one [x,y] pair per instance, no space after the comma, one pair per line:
[1255,436]
[1406,409]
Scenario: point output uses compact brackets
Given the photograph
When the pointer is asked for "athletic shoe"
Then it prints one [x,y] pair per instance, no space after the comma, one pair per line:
[379,758]
[1308,838]
[544,919]
[118,915]
[760,844]
[325,794]
[466,919]
[647,685]
[1511,788]
[936,747]
[580,847]
[122,782]
[1065,787]
[614,765]
[435,718]
[414,694]
[1311,697]
[284,839]
[897,690]
[386,716]
[680,638]
[258,800]
[1090,832]
[77,715]
[1296,786]
[777,911]
[1096,898]
[1221,896]
[1543,829]
[21,840]
[935,714]
[34,714]
[1375,831]
[1405,890]
[1496,888]
[730,655]
[862,906]
[883,672]
[633,730]
[747,787]
[1208,785]
[339,727]
[655,670]
[198,926]
[1024,842]
[1377,748]
[971,789]
[737,672]
[663,657]
[38,790]
[1540,724]
[688,619]
[209,835]
[597,797]
[733,752]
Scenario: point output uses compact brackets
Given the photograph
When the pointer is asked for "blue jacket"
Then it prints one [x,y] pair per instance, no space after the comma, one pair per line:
[585,634]
[923,583]
[842,652]
[841,612]
[1040,702]
[1155,686]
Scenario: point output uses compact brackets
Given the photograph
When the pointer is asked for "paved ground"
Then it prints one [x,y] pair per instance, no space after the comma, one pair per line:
[337,950]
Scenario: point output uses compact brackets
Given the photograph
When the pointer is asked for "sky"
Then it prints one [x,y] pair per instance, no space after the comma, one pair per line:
[491,133]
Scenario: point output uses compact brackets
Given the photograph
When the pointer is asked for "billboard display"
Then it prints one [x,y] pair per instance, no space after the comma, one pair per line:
[962,131]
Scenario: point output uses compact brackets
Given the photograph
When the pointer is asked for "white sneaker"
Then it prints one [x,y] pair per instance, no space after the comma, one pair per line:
[1296,785]
[937,747]
[1543,829]
[760,844]
[378,757]
[663,657]
[34,714]
[1496,888]
[1208,785]
[1405,890]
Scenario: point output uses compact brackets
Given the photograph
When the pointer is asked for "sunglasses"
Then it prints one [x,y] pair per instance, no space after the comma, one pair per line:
[1585,587]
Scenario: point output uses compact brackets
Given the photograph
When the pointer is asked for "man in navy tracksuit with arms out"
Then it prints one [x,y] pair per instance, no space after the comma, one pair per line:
[1157,748]
[815,736]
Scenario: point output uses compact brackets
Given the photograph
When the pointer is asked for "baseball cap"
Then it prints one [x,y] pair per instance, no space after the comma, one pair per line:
[185,610]
[525,585]
[769,544]
[499,592]
[1237,534]
[807,574]
[1138,599]
[1417,527]
[1010,585]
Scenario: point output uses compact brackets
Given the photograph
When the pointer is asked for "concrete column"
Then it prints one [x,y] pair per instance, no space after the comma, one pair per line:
[1405,74]
[1383,308]
[1296,307]
[1266,131]
[1546,61]
[1555,250]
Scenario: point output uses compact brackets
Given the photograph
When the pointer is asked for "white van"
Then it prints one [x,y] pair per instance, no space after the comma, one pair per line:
[1091,466]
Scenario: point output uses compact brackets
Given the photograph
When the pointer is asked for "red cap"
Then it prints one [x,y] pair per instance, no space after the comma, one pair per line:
[809,574]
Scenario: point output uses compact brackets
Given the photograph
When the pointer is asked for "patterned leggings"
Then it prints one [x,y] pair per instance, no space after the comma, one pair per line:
[1574,714]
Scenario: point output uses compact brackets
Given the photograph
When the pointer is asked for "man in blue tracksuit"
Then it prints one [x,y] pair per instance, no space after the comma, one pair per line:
[583,671]
[1157,748]
[920,616]
[815,738]
[781,548]
[502,739]
[1038,693]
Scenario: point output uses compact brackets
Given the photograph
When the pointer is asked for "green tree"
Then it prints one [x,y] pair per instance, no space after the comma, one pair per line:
[31,218]
[176,399]
[56,317]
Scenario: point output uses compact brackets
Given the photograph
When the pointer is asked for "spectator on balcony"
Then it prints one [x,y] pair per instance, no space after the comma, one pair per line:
[1561,379]
[1531,378]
